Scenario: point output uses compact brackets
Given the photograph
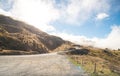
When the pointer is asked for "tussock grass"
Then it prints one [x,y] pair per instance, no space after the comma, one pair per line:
[88,64]
[17,52]
[98,62]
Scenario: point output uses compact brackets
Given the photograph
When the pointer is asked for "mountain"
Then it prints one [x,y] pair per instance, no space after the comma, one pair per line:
[19,36]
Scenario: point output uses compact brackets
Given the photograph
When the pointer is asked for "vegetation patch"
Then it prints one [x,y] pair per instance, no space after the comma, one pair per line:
[17,52]
[97,62]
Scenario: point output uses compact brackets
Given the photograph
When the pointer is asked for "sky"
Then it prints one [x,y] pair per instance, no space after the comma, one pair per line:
[85,22]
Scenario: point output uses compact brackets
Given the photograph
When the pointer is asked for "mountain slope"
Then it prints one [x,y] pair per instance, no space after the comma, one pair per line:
[17,35]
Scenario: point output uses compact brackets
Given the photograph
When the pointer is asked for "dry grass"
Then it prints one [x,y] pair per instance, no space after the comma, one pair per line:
[88,64]
[63,47]
[17,52]
[107,61]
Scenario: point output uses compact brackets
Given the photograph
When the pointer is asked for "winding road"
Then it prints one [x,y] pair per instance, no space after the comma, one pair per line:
[52,64]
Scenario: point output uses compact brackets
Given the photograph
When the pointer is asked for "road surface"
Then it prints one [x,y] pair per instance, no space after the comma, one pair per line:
[52,64]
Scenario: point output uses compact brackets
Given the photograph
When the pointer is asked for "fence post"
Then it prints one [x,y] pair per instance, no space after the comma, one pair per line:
[94,68]
[81,62]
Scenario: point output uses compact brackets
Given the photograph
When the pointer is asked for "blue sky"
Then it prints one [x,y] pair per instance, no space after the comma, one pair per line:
[91,27]
[87,20]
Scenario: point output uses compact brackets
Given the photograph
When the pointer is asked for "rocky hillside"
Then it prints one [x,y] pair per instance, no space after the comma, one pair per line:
[17,35]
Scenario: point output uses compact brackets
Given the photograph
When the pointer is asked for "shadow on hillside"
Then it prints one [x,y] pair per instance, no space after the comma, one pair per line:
[79,52]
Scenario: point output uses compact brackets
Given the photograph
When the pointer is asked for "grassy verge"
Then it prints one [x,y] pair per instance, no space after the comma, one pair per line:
[94,66]
[97,62]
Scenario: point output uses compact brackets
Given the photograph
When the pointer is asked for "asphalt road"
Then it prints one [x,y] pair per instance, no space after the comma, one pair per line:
[38,65]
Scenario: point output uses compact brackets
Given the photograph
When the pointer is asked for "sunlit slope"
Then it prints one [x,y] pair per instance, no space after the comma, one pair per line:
[17,35]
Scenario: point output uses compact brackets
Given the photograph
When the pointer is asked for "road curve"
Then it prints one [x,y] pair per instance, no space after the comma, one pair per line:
[38,65]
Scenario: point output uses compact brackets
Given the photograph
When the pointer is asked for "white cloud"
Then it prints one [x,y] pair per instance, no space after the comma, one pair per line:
[101,16]
[112,41]
[79,11]
[41,13]
[35,12]
[82,40]
[4,12]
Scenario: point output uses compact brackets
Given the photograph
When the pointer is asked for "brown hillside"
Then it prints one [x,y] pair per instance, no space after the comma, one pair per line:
[17,35]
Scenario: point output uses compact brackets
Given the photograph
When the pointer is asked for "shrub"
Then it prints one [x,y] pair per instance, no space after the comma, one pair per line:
[1,49]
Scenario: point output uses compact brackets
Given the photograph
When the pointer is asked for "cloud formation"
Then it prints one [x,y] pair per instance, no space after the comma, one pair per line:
[41,13]
[78,39]
[35,12]
[112,41]
[101,16]
[4,12]
[79,11]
